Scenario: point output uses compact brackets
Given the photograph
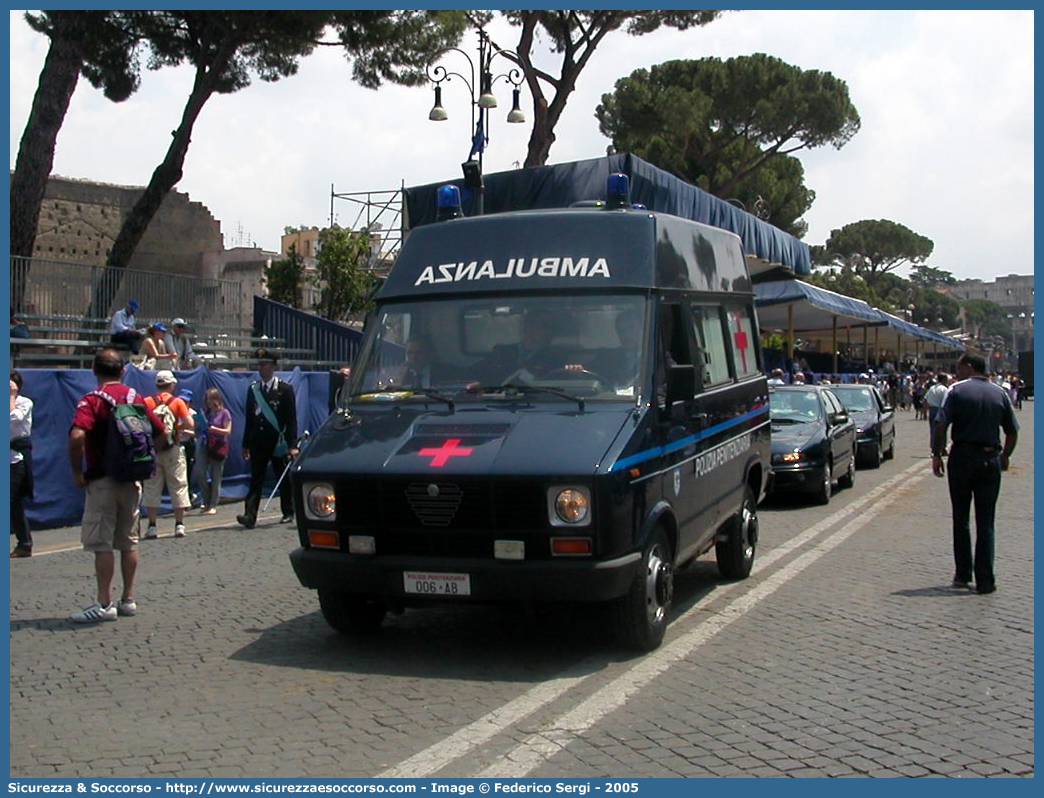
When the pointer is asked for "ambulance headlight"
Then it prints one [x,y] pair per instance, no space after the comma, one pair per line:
[569,506]
[320,501]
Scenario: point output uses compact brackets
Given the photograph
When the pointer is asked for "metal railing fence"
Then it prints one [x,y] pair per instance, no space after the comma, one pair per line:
[299,330]
[63,288]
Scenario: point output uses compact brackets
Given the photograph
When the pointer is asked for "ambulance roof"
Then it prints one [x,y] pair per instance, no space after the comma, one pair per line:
[574,248]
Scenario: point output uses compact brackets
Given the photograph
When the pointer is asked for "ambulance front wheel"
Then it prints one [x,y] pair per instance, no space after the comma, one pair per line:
[640,617]
[350,614]
[735,551]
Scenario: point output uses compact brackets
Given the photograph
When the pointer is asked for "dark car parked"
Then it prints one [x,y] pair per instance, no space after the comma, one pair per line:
[813,441]
[874,419]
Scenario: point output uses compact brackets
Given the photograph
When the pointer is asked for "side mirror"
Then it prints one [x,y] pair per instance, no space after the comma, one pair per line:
[681,384]
[840,418]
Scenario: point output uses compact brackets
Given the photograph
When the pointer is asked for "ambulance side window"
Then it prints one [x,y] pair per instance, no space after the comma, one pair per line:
[672,347]
[742,341]
[674,342]
[710,336]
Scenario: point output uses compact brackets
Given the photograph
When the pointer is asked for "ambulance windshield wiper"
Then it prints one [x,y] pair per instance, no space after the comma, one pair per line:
[436,395]
[524,389]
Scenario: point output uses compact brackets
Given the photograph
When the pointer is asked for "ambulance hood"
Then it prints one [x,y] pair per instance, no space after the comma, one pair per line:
[542,439]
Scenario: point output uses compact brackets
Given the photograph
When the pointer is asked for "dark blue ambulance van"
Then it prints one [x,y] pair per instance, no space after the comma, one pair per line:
[560,405]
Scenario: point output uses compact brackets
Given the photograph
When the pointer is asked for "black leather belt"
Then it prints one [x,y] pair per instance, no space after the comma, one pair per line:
[980,446]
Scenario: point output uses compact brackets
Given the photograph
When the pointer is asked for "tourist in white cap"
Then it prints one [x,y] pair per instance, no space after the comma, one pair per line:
[171,469]
[178,342]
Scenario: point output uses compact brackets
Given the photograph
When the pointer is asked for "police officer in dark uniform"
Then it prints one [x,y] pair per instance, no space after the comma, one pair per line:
[977,410]
[269,436]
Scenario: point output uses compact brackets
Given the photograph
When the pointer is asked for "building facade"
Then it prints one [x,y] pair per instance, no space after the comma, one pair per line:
[305,241]
[1014,293]
[80,219]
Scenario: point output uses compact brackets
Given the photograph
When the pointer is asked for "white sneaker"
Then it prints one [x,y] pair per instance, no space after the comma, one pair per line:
[127,607]
[151,533]
[179,530]
[94,613]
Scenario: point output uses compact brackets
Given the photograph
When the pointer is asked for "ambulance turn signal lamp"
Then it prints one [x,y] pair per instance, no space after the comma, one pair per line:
[571,547]
[324,539]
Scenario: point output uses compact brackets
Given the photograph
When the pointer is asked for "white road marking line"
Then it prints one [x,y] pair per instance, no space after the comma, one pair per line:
[189,527]
[469,738]
[557,734]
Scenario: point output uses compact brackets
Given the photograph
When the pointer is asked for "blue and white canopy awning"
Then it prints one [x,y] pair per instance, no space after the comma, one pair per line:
[813,312]
[813,309]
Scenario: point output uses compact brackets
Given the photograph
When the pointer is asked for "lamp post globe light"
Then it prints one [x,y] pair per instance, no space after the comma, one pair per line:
[479,80]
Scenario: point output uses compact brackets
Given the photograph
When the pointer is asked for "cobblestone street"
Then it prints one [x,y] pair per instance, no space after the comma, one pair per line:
[845,653]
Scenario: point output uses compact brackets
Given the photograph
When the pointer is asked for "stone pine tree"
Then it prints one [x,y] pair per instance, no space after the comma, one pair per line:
[345,283]
[573,36]
[101,46]
[730,126]
[874,246]
[283,278]
[985,318]
[228,48]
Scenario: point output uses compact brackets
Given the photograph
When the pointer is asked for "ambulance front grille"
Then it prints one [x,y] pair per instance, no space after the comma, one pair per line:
[460,518]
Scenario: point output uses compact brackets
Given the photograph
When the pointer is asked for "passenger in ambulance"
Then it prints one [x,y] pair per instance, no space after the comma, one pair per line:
[532,357]
[419,369]
[620,365]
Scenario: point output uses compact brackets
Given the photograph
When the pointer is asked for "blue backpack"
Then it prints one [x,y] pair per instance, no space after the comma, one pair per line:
[130,454]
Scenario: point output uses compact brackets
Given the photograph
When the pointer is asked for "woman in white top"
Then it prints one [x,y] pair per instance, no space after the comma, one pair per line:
[21,466]
[154,350]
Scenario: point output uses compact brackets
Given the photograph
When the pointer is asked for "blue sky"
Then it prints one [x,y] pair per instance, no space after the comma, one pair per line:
[946,145]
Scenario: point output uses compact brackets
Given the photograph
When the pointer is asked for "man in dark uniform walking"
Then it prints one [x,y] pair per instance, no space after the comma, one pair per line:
[977,410]
[269,436]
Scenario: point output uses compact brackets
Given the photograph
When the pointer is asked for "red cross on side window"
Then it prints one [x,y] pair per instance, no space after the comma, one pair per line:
[450,448]
[741,342]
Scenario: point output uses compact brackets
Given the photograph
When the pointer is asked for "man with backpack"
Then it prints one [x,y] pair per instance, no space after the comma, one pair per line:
[111,450]
[171,468]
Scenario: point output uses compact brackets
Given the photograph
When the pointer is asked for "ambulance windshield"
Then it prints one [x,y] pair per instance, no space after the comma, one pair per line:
[585,345]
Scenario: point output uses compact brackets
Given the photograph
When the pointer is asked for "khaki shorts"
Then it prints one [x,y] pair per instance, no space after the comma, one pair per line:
[110,515]
[170,468]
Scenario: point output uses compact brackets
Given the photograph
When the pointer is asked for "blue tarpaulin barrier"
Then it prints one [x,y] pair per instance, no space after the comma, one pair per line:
[58,502]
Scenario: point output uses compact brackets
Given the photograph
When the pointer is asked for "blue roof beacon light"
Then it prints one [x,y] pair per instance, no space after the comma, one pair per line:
[448,203]
[617,191]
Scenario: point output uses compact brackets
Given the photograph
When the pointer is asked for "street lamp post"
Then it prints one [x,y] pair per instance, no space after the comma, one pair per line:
[480,93]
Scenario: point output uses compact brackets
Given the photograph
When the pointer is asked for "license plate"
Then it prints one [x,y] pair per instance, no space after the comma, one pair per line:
[439,584]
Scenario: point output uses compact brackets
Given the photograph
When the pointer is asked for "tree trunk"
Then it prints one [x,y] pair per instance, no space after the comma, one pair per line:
[57,82]
[164,178]
[541,138]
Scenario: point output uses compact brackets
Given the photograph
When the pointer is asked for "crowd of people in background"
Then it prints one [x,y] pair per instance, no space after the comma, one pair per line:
[913,389]
[903,390]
